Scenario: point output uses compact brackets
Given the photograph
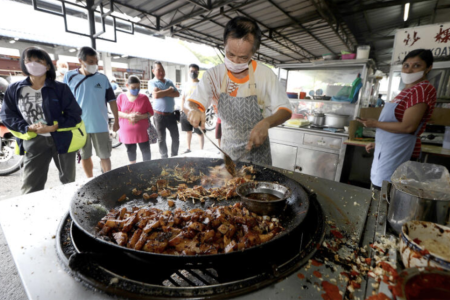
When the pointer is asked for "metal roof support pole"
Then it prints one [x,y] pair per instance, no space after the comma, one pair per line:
[91,17]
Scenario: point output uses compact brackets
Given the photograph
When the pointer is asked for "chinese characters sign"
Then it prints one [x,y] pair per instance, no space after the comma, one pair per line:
[435,37]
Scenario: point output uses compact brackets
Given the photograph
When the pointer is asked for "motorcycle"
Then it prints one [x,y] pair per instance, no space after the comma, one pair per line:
[9,161]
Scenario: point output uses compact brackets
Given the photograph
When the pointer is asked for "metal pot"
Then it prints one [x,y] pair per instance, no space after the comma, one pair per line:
[404,207]
[335,120]
[318,119]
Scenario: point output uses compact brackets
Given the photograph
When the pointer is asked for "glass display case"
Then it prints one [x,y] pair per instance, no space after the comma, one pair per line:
[325,81]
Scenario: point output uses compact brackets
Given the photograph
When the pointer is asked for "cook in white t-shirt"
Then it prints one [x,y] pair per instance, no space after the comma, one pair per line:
[246,93]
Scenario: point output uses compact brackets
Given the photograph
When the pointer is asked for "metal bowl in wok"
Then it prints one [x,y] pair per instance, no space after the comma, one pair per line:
[265,198]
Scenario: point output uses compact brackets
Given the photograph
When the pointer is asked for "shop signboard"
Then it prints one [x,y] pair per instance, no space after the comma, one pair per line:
[435,37]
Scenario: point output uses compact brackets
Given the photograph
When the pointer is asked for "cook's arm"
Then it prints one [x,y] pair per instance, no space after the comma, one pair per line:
[260,132]
[409,124]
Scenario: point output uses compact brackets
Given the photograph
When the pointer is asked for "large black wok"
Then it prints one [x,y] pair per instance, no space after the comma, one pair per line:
[98,196]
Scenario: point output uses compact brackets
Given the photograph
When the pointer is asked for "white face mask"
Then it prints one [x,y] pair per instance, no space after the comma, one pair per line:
[92,69]
[409,78]
[63,71]
[235,68]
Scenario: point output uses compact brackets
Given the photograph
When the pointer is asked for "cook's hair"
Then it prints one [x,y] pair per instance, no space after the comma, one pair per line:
[424,54]
[38,53]
[241,28]
[85,51]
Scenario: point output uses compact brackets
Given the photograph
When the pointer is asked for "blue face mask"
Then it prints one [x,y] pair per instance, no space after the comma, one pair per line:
[134,92]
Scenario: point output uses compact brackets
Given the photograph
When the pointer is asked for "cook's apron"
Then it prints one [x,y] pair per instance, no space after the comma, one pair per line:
[391,149]
[239,115]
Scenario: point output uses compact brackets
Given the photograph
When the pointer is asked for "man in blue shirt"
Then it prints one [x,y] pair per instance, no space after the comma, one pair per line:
[93,91]
[163,91]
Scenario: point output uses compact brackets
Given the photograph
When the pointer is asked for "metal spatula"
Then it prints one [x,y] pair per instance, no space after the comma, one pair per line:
[229,163]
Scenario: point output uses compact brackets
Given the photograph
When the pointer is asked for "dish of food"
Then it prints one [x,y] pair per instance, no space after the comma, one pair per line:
[221,229]
[425,244]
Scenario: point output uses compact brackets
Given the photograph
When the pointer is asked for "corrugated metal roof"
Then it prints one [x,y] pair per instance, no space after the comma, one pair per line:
[293,30]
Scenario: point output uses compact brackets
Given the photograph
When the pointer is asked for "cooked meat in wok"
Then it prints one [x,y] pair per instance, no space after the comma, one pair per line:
[220,229]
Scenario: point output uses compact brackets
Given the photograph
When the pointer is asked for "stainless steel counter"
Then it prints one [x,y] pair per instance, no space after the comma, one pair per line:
[30,223]
[309,151]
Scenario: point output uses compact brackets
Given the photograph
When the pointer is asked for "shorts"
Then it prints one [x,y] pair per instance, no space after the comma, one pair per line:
[218,131]
[102,144]
[186,126]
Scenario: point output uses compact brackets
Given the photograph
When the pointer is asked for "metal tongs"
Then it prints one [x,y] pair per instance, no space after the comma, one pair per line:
[229,163]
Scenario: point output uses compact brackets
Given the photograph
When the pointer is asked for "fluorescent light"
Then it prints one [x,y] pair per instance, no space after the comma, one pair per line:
[12,41]
[16,39]
[72,50]
[116,57]
[126,55]
[406,14]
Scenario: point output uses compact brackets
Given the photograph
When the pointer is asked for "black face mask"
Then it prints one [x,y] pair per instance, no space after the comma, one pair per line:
[193,75]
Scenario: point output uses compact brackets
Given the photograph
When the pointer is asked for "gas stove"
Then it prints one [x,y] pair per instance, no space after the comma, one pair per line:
[432,138]
[124,275]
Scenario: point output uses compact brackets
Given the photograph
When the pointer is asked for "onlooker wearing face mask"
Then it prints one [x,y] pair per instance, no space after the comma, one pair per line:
[62,68]
[134,113]
[403,119]
[92,91]
[115,86]
[188,88]
[46,120]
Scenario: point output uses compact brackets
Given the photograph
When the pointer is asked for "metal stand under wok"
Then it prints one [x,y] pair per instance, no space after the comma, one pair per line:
[121,274]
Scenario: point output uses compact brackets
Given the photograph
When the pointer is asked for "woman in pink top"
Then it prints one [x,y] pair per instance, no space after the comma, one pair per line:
[134,113]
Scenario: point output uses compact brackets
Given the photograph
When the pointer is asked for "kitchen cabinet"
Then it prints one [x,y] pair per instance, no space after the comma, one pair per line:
[317,163]
[284,157]
[308,151]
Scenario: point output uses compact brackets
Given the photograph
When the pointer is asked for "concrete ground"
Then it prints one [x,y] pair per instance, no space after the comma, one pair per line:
[10,284]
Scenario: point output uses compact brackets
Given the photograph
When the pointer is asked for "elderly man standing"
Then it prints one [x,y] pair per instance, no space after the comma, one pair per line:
[164,91]
[92,91]
[62,69]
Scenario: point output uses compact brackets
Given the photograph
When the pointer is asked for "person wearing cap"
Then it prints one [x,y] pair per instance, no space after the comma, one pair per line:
[46,120]
[248,95]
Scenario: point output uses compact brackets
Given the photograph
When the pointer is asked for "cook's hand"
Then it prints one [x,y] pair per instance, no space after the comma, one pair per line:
[368,122]
[258,134]
[156,89]
[369,147]
[116,126]
[197,118]
[171,88]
